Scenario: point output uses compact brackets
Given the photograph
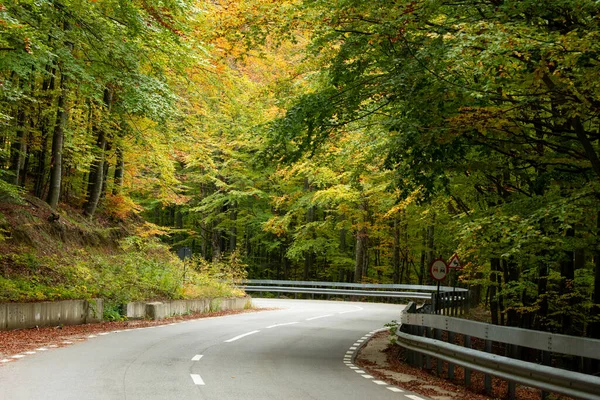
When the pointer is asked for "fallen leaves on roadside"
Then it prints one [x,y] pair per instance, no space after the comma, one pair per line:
[15,342]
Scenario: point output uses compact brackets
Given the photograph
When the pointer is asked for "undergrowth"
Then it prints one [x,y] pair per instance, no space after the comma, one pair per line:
[145,269]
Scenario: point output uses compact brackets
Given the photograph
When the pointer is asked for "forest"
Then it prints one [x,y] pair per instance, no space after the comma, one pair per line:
[341,140]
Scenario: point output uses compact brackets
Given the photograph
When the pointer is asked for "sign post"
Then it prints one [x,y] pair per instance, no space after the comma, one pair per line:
[438,270]
[184,253]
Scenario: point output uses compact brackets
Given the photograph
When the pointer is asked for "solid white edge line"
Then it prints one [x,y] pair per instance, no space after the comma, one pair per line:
[320,316]
[197,379]
[240,336]
[284,324]
[197,357]
[395,389]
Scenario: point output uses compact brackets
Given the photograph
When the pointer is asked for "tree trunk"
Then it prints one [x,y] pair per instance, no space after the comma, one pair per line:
[361,249]
[97,173]
[594,328]
[495,267]
[362,255]
[396,253]
[567,272]
[430,244]
[233,232]
[18,149]
[511,274]
[423,258]
[119,169]
[42,155]
[58,137]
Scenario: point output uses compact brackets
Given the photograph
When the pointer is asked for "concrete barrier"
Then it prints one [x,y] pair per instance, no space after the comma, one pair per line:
[160,310]
[74,312]
[50,313]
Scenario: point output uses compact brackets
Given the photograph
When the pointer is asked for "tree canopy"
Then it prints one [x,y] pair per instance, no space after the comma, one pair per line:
[342,140]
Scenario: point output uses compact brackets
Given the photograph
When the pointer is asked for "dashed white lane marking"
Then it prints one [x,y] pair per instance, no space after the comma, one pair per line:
[17,356]
[67,342]
[197,357]
[197,379]
[241,336]
[5,360]
[103,333]
[53,346]
[349,311]
[284,324]
[29,352]
[42,349]
[320,316]
[352,353]
[91,336]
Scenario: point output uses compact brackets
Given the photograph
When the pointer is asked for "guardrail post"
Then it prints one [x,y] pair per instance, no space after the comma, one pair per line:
[429,334]
[513,352]
[467,344]
[488,378]
[440,366]
[410,354]
[450,365]
[546,360]
[418,355]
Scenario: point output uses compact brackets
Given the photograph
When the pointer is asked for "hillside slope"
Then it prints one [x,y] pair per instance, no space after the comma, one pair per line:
[48,255]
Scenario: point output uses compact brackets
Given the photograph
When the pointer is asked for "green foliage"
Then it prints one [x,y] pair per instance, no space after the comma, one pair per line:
[113,312]
[151,272]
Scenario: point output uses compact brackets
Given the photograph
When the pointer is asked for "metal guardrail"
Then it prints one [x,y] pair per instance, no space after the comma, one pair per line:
[343,289]
[376,286]
[416,325]
[338,292]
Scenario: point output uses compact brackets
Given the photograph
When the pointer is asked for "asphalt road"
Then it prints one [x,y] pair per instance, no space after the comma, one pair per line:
[303,350]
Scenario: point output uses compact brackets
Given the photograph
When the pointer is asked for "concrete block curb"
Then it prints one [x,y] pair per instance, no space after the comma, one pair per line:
[50,313]
[159,310]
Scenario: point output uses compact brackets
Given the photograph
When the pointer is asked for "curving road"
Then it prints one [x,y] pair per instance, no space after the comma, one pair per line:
[303,350]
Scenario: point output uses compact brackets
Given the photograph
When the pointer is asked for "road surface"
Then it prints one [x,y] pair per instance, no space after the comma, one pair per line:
[302,350]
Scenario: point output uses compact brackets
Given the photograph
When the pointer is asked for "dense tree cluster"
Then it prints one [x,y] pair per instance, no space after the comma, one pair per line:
[346,140]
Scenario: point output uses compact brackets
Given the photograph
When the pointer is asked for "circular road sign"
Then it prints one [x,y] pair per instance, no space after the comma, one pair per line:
[438,269]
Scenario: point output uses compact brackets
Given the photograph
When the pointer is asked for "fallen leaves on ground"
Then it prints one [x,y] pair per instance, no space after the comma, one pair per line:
[426,379]
[21,340]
